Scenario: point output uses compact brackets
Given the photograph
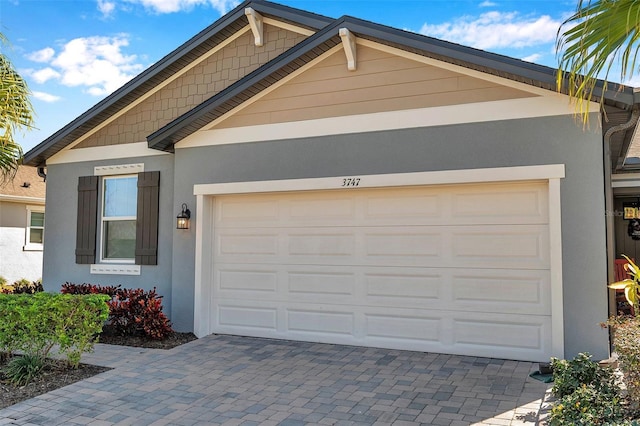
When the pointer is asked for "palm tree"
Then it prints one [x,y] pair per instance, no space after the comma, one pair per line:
[598,35]
[16,112]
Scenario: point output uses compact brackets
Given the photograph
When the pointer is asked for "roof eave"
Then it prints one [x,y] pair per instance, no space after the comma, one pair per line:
[38,155]
[503,66]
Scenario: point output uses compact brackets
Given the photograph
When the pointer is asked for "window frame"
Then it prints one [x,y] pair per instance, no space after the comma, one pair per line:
[102,220]
[28,245]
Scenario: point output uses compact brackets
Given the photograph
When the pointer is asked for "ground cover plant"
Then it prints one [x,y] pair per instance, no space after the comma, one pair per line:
[587,393]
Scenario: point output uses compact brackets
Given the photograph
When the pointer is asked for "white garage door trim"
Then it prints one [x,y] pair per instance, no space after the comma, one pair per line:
[205,215]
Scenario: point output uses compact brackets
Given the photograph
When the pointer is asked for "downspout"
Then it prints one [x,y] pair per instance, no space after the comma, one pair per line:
[608,198]
[42,174]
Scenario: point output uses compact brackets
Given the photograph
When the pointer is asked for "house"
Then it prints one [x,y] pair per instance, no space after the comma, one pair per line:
[342,181]
[22,225]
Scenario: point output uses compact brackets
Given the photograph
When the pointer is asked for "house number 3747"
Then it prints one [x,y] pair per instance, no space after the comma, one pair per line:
[351,182]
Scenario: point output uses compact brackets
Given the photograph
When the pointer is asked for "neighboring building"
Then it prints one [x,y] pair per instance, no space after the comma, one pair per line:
[22,225]
[347,183]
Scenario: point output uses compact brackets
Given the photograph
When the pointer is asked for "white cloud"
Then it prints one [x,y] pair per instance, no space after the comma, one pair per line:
[496,30]
[96,63]
[171,6]
[46,97]
[488,3]
[43,75]
[43,55]
[106,7]
[532,58]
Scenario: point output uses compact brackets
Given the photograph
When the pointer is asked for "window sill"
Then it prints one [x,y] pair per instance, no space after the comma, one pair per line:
[113,269]
[32,247]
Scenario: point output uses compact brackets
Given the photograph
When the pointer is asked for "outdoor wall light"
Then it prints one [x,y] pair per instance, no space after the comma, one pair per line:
[182,220]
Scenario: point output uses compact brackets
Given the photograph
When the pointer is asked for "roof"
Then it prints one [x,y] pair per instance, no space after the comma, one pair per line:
[617,97]
[25,186]
[165,68]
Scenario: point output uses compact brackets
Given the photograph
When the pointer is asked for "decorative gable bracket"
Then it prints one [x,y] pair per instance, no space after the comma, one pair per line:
[257,27]
[349,45]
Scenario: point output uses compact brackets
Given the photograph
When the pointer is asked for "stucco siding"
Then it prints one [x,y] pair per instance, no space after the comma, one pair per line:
[15,262]
[215,73]
[535,141]
[382,82]
[59,251]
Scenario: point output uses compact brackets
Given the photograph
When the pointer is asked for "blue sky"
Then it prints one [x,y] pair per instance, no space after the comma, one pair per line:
[73,53]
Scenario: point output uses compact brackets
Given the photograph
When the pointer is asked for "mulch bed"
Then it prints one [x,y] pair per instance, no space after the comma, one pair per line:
[111,337]
[57,374]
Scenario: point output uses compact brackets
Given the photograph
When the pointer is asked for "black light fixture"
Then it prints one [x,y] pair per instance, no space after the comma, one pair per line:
[182,220]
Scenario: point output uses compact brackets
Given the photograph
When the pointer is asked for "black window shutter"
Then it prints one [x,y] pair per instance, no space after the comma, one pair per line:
[87,219]
[147,218]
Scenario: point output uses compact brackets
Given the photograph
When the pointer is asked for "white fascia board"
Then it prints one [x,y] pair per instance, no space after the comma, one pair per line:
[108,152]
[625,180]
[380,121]
[446,177]
[20,199]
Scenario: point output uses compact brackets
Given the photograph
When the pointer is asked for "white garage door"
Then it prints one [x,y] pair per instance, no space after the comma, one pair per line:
[458,269]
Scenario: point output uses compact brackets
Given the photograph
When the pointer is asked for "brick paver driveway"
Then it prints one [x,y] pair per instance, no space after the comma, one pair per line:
[245,381]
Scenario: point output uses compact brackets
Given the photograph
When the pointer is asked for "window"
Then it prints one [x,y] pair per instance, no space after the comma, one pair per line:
[119,199]
[117,219]
[34,235]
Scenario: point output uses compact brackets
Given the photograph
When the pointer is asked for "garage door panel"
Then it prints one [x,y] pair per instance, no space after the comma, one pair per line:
[513,291]
[319,284]
[516,291]
[323,322]
[461,269]
[398,328]
[247,280]
[514,204]
[244,244]
[402,287]
[479,334]
[405,243]
[234,317]
[491,246]
[475,204]
[523,333]
[248,211]
[404,206]
[322,210]
[504,246]
[335,243]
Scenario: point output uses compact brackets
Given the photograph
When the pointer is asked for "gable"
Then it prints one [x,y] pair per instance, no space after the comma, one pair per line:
[221,69]
[382,82]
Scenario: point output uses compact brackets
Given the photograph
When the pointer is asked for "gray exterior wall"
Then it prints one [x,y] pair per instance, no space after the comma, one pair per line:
[60,232]
[536,141]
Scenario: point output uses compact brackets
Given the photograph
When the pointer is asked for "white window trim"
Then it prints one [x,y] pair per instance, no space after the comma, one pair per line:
[29,246]
[102,221]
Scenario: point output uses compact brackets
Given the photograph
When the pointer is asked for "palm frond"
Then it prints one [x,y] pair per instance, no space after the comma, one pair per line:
[600,34]
[16,113]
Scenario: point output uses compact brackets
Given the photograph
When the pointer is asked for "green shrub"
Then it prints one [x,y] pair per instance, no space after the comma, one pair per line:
[132,312]
[568,376]
[587,393]
[21,369]
[35,323]
[626,343]
[586,406]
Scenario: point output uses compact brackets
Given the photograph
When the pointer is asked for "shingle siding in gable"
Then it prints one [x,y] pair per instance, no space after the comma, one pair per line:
[214,74]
